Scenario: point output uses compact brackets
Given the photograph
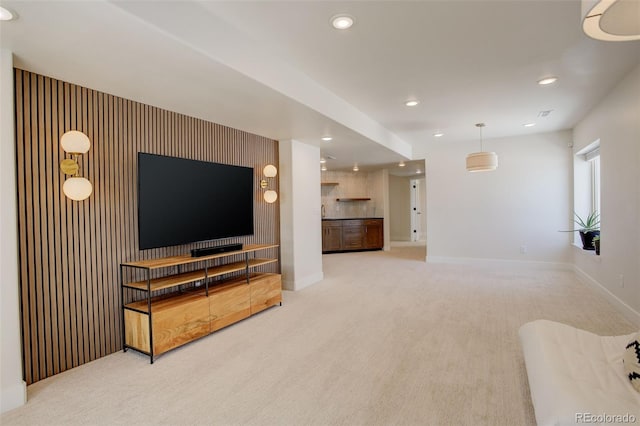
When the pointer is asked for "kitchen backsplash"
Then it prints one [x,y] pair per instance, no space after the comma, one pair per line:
[352,185]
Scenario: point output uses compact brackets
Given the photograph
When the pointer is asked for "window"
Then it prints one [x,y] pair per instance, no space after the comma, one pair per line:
[595,183]
[586,181]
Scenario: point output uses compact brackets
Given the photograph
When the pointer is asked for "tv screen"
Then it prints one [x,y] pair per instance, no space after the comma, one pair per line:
[182,201]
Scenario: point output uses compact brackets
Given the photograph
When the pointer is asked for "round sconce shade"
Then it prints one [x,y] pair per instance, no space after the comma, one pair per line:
[611,20]
[77,188]
[270,171]
[75,142]
[270,196]
[482,162]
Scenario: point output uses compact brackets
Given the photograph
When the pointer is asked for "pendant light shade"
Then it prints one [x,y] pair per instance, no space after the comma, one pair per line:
[482,161]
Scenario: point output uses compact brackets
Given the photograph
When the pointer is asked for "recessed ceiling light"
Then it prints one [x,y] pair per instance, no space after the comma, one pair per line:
[323,168]
[529,124]
[438,134]
[341,21]
[401,164]
[323,160]
[418,171]
[5,15]
[355,168]
[411,103]
[547,80]
[327,138]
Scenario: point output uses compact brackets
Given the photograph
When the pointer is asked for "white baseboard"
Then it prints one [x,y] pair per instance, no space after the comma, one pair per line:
[395,243]
[503,263]
[13,397]
[299,284]
[622,307]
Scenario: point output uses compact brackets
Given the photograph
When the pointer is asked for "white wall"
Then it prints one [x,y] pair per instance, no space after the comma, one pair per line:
[378,184]
[616,122]
[300,221]
[13,391]
[400,208]
[491,215]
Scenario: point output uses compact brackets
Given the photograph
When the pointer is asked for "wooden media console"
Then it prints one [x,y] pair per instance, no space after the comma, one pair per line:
[197,302]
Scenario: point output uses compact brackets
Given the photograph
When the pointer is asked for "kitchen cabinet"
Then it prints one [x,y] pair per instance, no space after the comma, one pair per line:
[353,234]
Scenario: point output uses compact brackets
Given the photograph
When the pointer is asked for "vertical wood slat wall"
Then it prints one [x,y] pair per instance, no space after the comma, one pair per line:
[70,251]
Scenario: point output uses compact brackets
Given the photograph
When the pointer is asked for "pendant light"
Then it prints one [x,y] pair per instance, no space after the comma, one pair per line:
[482,161]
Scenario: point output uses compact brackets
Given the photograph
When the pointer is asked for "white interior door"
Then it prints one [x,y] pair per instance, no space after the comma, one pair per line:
[415,209]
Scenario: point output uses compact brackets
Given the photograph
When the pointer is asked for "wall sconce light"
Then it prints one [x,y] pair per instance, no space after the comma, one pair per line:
[269,171]
[75,187]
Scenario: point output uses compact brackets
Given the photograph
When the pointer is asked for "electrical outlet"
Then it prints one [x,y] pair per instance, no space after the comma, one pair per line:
[523,249]
[621,280]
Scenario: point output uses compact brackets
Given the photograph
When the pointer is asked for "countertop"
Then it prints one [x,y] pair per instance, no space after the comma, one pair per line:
[350,218]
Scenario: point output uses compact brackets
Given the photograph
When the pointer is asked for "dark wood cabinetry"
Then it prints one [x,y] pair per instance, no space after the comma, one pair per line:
[331,235]
[373,235]
[352,235]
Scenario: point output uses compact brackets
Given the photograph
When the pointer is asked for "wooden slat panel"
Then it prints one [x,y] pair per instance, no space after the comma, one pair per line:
[21,157]
[63,260]
[51,181]
[46,364]
[70,251]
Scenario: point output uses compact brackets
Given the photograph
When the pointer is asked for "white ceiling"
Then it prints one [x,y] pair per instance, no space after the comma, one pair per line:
[280,70]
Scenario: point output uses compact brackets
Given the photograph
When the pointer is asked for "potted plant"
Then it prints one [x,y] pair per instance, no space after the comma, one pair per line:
[589,228]
[596,244]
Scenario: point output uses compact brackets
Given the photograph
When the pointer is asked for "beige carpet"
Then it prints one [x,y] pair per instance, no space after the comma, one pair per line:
[385,339]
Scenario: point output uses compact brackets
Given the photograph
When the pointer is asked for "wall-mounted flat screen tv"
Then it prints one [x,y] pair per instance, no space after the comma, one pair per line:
[183,201]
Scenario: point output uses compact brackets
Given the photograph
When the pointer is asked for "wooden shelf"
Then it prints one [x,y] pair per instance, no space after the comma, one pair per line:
[329,184]
[188,277]
[168,282]
[353,199]
[186,259]
[163,302]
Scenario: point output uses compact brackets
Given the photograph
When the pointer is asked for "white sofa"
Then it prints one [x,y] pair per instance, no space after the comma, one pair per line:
[577,377]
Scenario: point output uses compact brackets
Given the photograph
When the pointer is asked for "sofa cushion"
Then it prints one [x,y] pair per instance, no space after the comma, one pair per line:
[632,361]
[572,372]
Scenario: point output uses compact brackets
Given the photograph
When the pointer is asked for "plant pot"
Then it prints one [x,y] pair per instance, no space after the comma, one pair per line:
[596,244]
[587,239]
